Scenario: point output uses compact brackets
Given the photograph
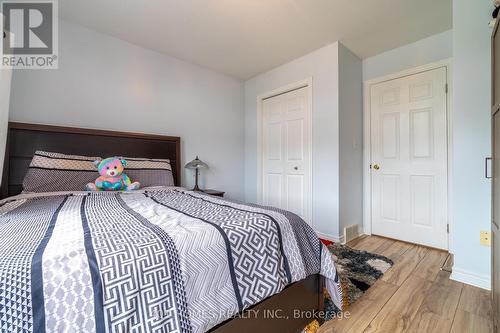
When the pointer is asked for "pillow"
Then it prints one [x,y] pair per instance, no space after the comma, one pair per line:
[53,172]
[149,172]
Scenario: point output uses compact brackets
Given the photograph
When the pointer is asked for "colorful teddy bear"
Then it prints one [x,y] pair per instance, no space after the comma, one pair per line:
[112,177]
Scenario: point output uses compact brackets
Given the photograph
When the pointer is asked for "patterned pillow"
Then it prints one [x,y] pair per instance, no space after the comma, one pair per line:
[52,172]
[149,172]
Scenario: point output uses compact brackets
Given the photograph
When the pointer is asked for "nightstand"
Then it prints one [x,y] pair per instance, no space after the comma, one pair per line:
[214,193]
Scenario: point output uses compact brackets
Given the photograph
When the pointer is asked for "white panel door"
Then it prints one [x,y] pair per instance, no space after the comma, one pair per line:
[286,173]
[409,158]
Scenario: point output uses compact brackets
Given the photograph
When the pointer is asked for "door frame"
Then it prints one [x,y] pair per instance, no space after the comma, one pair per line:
[367,179]
[305,83]
[4,136]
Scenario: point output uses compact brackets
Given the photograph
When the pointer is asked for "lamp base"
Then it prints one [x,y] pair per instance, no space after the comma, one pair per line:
[196,188]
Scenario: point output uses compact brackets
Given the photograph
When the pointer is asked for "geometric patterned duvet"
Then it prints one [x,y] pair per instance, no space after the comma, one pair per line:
[161,260]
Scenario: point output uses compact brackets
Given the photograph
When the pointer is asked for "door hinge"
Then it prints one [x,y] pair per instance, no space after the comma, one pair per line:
[446,88]
[448,228]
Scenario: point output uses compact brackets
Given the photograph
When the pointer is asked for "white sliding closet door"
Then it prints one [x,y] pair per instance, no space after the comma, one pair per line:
[286,141]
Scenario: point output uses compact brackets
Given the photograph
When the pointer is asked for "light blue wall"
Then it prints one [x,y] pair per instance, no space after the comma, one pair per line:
[322,66]
[471,136]
[145,91]
[350,139]
[337,133]
[422,52]
[104,82]
[469,46]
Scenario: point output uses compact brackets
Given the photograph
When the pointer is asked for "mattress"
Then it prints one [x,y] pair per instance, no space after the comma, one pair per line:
[156,260]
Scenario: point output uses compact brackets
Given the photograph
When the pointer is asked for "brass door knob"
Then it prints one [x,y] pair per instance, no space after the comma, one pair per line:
[376,166]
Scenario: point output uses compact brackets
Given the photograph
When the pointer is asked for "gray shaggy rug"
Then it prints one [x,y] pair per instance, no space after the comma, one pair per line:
[358,271]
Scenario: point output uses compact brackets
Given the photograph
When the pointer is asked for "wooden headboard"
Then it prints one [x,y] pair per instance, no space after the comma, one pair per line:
[24,139]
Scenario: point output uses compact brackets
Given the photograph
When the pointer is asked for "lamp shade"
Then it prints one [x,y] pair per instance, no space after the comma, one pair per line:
[196,164]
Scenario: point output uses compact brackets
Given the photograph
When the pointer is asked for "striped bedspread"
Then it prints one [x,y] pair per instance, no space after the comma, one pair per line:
[158,260]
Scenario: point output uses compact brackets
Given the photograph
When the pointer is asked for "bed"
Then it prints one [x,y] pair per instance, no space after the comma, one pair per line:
[161,259]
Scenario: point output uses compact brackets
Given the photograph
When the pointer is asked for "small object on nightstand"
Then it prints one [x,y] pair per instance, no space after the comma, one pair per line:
[196,165]
[214,193]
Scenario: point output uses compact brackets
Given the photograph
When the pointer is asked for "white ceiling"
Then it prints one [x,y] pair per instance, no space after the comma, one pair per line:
[243,38]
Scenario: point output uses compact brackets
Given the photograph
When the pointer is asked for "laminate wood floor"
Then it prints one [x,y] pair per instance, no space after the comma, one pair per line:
[414,295]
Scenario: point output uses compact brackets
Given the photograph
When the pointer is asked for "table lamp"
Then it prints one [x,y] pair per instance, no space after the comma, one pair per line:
[196,164]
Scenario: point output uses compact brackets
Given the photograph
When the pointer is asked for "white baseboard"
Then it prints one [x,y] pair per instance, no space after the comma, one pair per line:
[476,280]
[331,238]
[339,239]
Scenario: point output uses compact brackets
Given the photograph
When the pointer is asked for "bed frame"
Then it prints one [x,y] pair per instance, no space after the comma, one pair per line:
[274,314]
[24,139]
